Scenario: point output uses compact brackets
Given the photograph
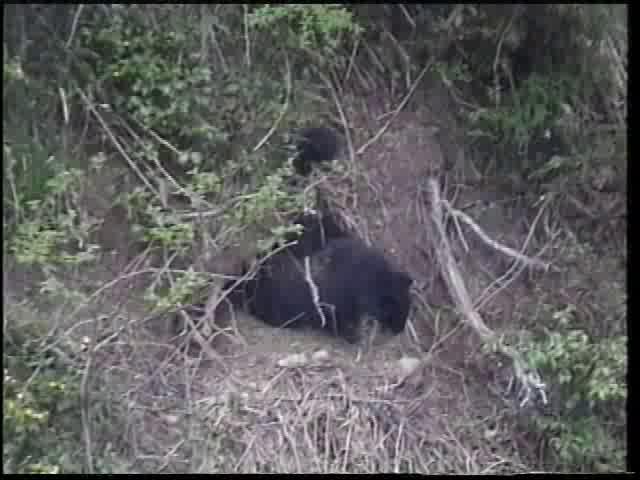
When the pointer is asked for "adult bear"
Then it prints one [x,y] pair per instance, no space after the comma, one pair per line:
[346,282]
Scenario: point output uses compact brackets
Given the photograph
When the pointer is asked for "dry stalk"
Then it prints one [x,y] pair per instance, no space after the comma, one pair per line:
[343,116]
[247,34]
[527,378]
[215,299]
[407,15]
[84,410]
[74,25]
[406,58]
[315,295]
[161,169]
[352,59]
[496,61]
[214,40]
[508,251]
[86,302]
[284,109]
[398,109]
[116,143]
[512,273]
[65,105]
[194,333]
[375,59]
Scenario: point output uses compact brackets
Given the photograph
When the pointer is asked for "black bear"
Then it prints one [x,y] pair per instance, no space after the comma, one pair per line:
[346,281]
[314,145]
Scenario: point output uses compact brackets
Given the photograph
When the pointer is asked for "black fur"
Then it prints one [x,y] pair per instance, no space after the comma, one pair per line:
[317,229]
[315,145]
[353,280]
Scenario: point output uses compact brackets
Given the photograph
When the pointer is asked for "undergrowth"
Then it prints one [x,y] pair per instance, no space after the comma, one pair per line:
[585,425]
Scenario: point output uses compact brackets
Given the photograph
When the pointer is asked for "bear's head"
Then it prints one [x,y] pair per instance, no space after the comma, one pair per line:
[396,302]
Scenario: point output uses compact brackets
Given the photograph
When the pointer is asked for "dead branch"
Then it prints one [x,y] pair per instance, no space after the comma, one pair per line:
[508,251]
[528,379]
[514,271]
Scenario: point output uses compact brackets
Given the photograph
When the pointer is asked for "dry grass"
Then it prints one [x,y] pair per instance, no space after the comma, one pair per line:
[420,402]
[244,412]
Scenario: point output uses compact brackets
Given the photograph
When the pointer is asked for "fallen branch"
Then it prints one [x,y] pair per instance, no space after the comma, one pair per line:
[508,251]
[527,378]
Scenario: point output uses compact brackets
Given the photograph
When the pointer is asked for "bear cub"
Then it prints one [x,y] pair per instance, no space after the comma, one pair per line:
[314,145]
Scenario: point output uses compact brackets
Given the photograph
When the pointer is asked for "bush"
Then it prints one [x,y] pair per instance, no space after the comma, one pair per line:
[586,430]
[41,428]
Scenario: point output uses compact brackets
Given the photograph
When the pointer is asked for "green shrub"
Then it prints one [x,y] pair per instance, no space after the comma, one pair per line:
[533,108]
[317,28]
[587,428]
[55,231]
[41,421]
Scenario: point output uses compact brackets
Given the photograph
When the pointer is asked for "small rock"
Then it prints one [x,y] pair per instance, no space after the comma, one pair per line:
[294,360]
[171,419]
[489,433]
[320,356]
[408,365]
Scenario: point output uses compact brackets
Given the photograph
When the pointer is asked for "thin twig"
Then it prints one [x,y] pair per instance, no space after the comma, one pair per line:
[343,116]
[352,60]
[74,25]
[283,110]
[116,143]
[485,297]
[247,36]
[407,15]
[84,410]
[508,251]
[398,109]
[315,295]
[218,49]
[496,60]
[196,200]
